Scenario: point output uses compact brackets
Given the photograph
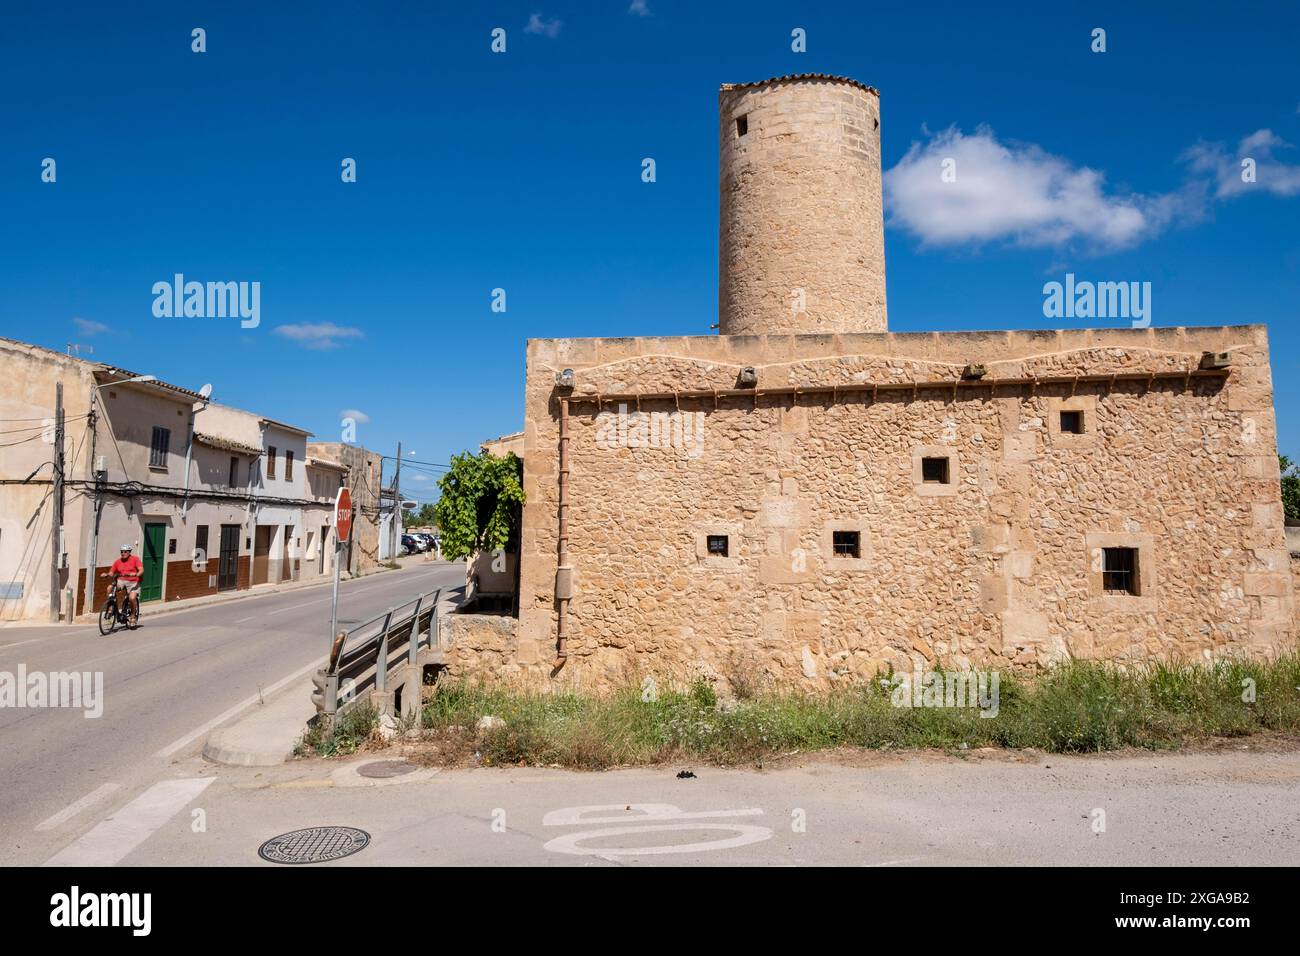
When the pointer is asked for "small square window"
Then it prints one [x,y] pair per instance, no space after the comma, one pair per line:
[846,544]
[1119,570]
[934,471]
[742,125]
[1072,423]
[717,544]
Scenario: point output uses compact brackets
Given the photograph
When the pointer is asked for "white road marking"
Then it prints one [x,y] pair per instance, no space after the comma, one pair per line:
[745,835]
[907,859]
[637,813]
[235,711]
[294,608]
[70,811]
[109,842]
[653,812]
[5,647]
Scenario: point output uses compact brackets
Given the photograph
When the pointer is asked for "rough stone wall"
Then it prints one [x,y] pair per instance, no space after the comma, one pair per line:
[1000,569]
[800,208]
[363,481]
[481,647]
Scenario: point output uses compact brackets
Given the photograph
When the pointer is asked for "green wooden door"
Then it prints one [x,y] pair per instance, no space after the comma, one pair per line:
[155,546]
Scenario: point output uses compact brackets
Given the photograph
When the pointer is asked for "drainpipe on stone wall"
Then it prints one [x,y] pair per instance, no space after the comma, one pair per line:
[563,573]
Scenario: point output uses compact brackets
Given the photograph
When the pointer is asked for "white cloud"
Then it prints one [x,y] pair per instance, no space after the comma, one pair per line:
[317,335]
[1224,167]
[639,8]
[355,414]
[547,28]
[416,476]
[89,327]
[1013,192]
[1020,194]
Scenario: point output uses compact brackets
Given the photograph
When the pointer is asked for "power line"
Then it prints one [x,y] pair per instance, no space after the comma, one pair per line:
[21,441]
[412,461]
[46,423]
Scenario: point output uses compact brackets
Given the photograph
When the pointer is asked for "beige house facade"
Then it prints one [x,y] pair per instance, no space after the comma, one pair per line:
[211,498]
[816,499]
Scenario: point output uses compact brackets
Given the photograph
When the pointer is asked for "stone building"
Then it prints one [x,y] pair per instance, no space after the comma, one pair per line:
[362,472]
[813,498]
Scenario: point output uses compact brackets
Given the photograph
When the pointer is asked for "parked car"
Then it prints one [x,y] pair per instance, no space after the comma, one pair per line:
[425,539]
[410,545]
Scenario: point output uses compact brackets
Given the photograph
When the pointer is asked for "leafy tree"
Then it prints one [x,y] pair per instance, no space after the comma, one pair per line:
[426,517]
[1290,489]
[482,496]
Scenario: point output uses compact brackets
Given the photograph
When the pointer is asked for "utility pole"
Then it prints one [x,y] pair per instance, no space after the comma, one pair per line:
[56,505]
[91,422]
[395,532]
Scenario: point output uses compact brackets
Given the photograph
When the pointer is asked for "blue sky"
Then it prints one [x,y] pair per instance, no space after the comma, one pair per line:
[522,171]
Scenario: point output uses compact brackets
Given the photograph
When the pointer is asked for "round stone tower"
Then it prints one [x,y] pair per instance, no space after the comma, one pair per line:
[802,235]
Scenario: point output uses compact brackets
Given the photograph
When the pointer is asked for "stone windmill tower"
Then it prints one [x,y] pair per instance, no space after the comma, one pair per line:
[802,244]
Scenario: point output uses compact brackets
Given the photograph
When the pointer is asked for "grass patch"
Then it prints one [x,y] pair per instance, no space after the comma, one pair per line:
[1076,707]
[340,737]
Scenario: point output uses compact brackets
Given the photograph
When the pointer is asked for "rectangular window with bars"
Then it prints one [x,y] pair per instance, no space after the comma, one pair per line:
[846,544]
[162,438]
[1119,570]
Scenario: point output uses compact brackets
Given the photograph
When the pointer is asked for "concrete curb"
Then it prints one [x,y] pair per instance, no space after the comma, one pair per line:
[266,735]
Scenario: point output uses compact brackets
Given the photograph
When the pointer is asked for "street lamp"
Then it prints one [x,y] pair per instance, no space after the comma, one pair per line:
[128,381]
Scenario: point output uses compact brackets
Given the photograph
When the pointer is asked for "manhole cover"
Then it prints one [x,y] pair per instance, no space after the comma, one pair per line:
[380,769]
[314,845]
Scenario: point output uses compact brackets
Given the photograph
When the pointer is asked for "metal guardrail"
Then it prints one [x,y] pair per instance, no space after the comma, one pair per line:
[362,657]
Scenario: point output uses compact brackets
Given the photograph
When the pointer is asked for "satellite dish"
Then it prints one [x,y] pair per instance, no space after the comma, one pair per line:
[205,391]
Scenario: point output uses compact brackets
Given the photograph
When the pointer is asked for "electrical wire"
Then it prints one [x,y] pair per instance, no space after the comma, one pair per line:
[21,441]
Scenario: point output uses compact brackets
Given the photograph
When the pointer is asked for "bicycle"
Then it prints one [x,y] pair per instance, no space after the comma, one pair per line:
[111,615]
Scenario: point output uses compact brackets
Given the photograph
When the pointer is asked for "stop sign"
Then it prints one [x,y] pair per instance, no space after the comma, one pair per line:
[343,514]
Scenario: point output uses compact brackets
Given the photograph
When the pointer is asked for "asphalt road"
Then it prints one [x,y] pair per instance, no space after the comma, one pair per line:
[1231,808]
[164,685]
[130,787]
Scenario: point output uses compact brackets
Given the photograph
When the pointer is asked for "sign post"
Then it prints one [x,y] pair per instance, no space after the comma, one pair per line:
[342,529]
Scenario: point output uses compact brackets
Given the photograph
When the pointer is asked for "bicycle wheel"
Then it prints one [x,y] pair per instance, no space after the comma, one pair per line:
[107,618]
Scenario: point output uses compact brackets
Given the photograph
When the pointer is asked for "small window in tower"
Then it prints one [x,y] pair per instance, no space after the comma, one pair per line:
[742,125]
[1072,423]
[1119,570]
[847,544]
[934,471]
[717,544]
